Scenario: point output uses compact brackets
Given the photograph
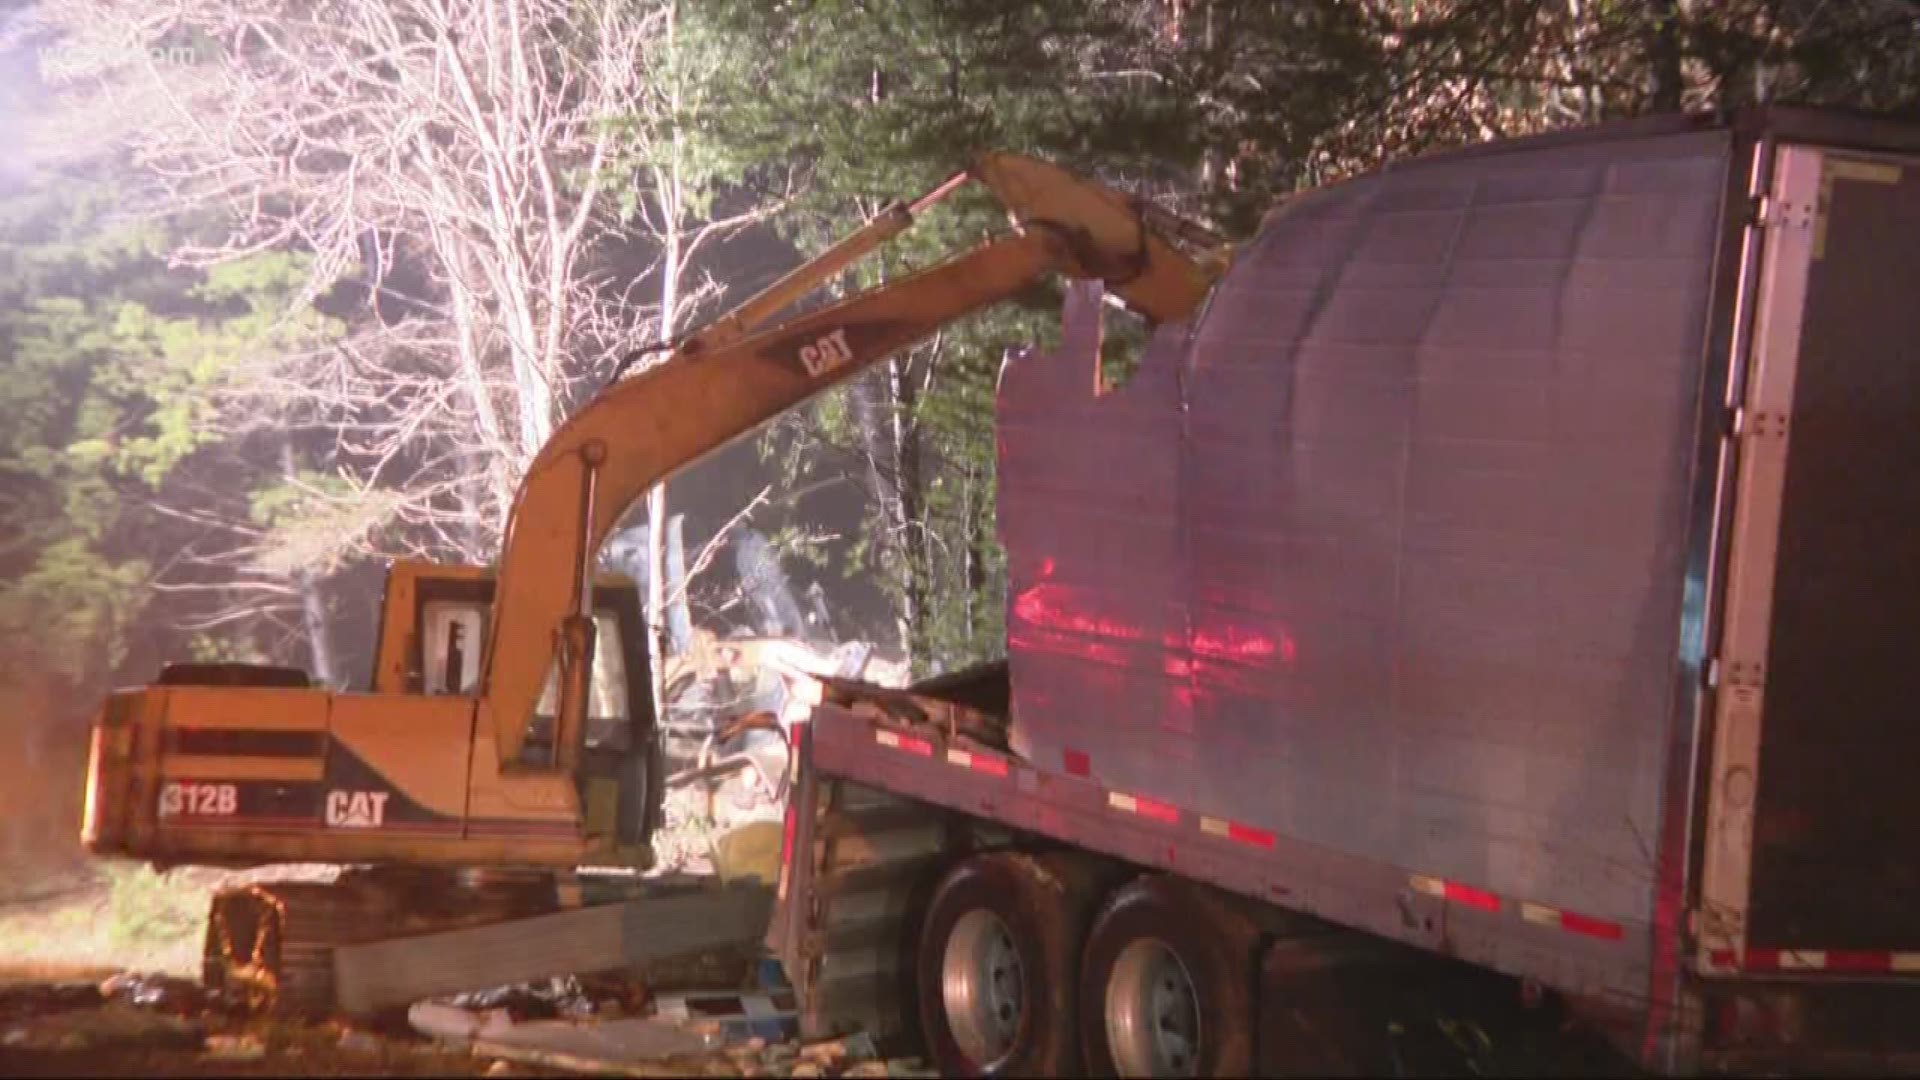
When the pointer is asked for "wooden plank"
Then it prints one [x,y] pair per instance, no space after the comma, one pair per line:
[399,971]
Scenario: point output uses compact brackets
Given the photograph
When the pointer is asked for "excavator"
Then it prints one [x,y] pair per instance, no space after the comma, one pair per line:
[508,733]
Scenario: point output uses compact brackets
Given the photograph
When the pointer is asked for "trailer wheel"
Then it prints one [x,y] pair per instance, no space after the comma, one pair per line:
[995,968]
[1167,984]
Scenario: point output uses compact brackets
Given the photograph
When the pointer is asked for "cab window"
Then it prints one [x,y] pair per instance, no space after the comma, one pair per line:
[452,634]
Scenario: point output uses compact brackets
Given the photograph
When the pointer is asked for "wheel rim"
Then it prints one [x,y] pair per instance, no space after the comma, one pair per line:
[1152,1012]
[983,987]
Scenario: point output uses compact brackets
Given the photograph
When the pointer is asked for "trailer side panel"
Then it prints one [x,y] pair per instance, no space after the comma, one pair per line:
[1386,554]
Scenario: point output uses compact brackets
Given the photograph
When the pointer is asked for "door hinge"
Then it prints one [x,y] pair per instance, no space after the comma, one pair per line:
[1759,208]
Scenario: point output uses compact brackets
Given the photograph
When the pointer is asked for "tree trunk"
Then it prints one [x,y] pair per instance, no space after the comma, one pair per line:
[313,612]
[980,524]
[1664,85]
[874,441]
[679,610]
[313,605]
[668,190]
[911,513]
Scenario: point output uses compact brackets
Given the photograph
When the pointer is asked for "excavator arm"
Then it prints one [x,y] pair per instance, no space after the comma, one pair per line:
[726,380]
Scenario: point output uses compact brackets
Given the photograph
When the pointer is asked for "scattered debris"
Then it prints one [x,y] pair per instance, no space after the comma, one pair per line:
[235,1048]
[857,1046]
[112,1025]
[528,1001]
[41,999]
[768,1016]
[148,990]
[692,1034]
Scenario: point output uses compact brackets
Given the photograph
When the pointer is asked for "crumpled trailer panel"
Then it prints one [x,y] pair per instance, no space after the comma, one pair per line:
[1515,559]
[1386,553]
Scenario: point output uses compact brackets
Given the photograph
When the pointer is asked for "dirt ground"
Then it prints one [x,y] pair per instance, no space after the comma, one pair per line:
[65,930]
[57,1023]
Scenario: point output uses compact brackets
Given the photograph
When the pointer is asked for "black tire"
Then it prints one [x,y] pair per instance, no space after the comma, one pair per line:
[1043,904]
[1218,952]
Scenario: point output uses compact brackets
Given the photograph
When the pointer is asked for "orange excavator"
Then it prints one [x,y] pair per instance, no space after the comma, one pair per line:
[509,726]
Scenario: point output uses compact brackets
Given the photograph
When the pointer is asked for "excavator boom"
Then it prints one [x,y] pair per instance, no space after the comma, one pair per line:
[725,381]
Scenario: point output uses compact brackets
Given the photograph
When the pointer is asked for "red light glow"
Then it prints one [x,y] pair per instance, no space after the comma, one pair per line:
[1048,606]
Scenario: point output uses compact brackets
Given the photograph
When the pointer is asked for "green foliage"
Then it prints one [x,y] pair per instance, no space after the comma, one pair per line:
[120,366]
[223,649]
[73,608]
[148,909]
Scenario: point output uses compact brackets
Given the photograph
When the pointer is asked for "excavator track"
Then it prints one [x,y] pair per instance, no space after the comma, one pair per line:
[269,947]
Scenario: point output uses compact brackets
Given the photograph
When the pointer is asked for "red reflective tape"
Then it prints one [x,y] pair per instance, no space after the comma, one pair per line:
[1592,927]
[1247,834]
[787,826]
[1860,961]
[1761,960]
[1158,811]
[1722,958]
[1472,897]
[903,742]
[990,765]
[1076,763]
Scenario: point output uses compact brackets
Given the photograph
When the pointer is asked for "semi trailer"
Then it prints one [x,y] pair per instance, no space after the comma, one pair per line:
[1514,560]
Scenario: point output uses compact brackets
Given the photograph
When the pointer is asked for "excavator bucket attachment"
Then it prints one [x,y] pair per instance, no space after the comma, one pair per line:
[1113,241]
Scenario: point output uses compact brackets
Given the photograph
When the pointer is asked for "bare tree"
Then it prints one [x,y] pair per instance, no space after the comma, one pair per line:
[473,170]
[670,209]
[448,156]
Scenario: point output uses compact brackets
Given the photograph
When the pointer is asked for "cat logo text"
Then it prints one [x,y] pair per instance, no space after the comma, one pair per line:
[357,809]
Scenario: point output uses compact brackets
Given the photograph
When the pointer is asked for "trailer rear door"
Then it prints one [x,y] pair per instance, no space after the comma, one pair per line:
[1812,860]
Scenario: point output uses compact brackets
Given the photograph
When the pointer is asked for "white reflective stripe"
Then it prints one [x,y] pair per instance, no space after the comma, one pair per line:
[1905,961]
[1122,802]
[1214,827]
[1539,913]
[1430,886]
[886,738]
[960,758]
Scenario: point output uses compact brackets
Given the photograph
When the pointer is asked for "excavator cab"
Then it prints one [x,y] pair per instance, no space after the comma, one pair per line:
[434,623]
